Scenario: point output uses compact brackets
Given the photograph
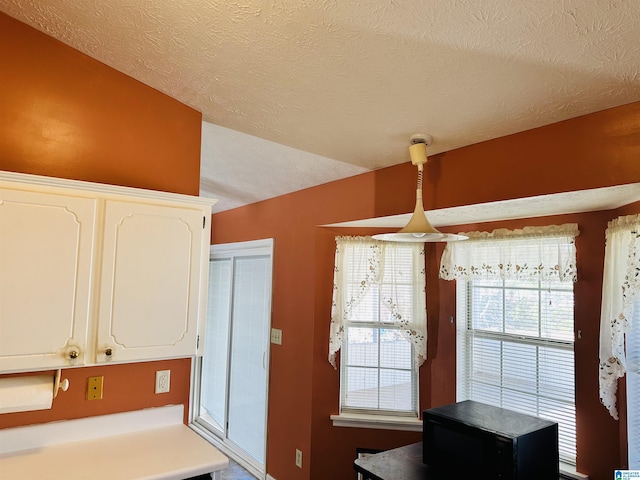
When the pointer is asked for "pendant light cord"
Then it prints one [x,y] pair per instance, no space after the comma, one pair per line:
[419,188]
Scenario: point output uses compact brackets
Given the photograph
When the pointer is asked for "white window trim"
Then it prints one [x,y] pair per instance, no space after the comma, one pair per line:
[462,346]
[380,422]
[632,359]
[569,471]
[466,263]
[366,418]
[389,414]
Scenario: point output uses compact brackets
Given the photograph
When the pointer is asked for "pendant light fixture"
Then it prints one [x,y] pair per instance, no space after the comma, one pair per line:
[419,229]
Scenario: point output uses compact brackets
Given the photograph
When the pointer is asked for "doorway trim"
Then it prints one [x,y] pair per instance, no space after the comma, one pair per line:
[233,250]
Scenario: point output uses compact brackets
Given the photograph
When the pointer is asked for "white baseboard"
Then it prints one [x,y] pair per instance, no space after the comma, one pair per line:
[269,477]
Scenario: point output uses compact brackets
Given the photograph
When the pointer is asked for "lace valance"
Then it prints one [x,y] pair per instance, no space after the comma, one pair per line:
[620,289]
[362,263]
[545,253]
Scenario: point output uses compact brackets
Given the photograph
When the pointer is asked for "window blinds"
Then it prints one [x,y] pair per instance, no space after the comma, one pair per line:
[633,389]
[379,323]
[516,352]
[515,322]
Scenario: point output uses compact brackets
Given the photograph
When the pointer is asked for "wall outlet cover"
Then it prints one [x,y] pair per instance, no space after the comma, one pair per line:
[94,388]
[163,381]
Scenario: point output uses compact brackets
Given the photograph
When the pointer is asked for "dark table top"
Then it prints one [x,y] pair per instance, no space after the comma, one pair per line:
[404,463]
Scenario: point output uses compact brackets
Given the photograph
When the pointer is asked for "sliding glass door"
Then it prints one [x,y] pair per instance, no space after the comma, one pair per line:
[234,368]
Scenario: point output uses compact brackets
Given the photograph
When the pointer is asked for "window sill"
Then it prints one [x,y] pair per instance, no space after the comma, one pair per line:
[381,422]
[569,472]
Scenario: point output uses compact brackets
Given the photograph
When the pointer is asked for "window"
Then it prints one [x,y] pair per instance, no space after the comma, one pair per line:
[515,350]
[619,325]
[379,322]
[633,389]
[515,323]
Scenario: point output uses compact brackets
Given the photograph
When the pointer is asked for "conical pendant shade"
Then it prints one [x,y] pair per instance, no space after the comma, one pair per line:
[419,229]
[419,224]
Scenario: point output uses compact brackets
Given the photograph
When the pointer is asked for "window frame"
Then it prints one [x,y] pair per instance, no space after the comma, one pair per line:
[414,412]
[217,435]
[350,416]
[633,388]
[465,333]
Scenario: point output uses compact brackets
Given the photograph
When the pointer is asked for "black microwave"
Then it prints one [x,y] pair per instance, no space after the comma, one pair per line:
[476,440]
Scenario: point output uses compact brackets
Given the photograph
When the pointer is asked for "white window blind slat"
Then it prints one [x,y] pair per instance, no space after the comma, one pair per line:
[378,371]
[633,389]
[249,343]
[516,322]
[514,361]
[378,308]
[215,362]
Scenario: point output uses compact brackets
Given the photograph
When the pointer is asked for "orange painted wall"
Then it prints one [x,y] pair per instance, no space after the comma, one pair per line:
[596,150]
[63,114]
[126,387]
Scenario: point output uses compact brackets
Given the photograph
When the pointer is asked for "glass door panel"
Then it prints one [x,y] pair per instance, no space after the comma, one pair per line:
[213,400]
[249,343]
[234,367]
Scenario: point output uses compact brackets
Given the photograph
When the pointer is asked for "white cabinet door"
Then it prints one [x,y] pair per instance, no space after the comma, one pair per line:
[150,282]
[46,249]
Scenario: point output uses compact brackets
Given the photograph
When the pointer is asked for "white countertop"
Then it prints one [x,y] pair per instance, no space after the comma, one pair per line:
[166,452]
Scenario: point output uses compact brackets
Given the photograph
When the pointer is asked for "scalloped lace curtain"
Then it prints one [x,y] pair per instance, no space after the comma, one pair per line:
[620,288]
[540,253]
[362,263]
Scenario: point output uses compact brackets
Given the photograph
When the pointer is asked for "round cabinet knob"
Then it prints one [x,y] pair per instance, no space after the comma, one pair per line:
[108,352]
[72,353]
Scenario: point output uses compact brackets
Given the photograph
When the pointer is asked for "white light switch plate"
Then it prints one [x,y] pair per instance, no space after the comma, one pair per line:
[276,336]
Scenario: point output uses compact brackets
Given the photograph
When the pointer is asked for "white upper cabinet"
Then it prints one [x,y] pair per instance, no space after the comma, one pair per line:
[151,267]
[46,248]
[93,273]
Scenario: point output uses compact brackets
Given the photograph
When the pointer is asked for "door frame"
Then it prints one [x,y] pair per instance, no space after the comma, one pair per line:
[237,249]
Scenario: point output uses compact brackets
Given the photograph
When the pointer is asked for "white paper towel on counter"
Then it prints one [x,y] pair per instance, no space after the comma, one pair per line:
[22,394]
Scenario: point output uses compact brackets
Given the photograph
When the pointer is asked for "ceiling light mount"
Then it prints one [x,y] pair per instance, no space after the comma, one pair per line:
[419,229]
[421,138]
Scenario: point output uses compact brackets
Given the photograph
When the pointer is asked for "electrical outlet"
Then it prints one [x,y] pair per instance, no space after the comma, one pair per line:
[276,336]
[298,458]
[163,380]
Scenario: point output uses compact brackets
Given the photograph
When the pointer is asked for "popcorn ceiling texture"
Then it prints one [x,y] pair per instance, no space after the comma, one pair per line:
[349,82]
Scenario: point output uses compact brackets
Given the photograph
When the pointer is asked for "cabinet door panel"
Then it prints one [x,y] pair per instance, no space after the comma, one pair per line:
[150,281]
[46,248]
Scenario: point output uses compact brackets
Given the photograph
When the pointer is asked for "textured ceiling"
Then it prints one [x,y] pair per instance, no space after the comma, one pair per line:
[296,93]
